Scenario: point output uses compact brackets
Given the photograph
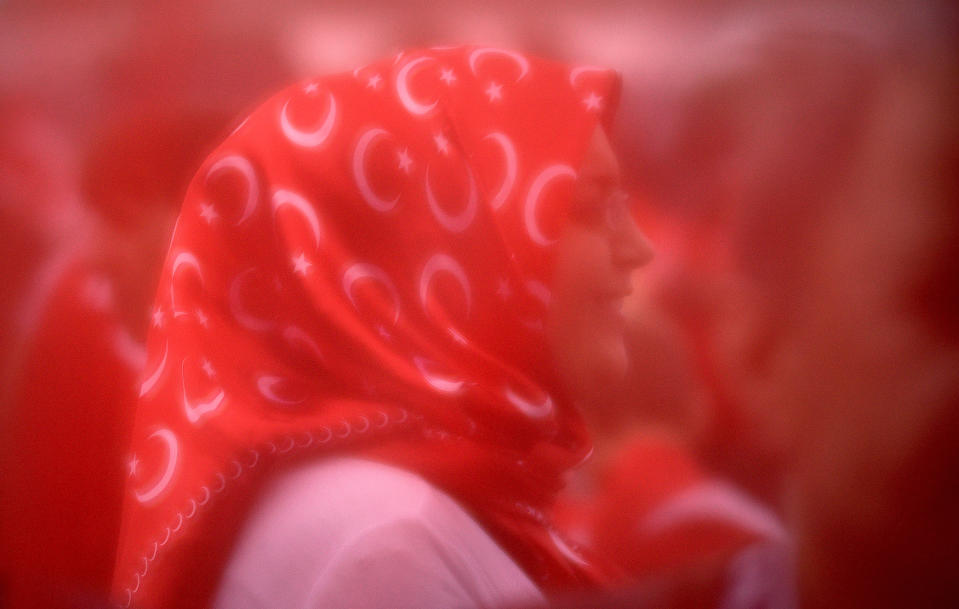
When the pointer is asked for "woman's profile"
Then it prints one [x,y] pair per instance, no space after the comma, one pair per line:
[386,292]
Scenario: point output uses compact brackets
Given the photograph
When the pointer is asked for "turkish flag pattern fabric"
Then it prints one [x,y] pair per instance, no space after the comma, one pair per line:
[363,267]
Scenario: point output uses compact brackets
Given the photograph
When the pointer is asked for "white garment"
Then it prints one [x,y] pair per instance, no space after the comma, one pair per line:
[716,501]
[354,534]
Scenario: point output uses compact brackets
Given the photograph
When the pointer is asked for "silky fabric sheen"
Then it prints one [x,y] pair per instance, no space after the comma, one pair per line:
[363,267]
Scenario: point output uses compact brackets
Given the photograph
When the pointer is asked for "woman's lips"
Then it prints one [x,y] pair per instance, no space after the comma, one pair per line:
[618,291]
[611,308]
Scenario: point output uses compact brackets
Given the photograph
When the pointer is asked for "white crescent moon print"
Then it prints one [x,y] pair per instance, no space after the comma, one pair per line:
[150,382]
[512,168]
[535,410]
[520,61]
[403,89]
[296,335]
[532,200]
[180,260]
[283,197]
[451,222]
[240,314]
[577,72]
[173,448]
[567,551]
[199,409]
[242,165]
[186,258]
[362,270]
[266,384]
[444,262]
[440,382]
[359,172]
[308,139]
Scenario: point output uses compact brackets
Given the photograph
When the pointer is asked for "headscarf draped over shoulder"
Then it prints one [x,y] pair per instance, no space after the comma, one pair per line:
[363,266]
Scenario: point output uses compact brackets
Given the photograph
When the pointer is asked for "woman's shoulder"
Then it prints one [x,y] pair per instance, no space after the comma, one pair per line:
[330,503]
[339,526]
[356,493]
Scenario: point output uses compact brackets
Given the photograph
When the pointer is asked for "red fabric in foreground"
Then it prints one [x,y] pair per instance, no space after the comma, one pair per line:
[62,469]
[363,267]
[651,472]
[656,513]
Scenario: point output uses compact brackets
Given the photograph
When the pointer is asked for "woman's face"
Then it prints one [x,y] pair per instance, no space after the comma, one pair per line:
[595,256]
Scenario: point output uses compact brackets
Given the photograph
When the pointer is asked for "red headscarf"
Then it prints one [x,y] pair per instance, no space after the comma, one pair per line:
[363,266]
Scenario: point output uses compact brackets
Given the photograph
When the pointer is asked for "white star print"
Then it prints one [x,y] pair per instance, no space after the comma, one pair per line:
[311,88]
[457,336]
[592,101]
[494,91]
[405,161]
[202,318]
[132,465]
[207,367]
[442,144]
[373,81]
[447,76]
[158,318]
[208,213]
[301,265]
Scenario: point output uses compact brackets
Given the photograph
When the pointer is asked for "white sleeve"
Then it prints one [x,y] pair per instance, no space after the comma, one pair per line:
[354,534]
[400,565]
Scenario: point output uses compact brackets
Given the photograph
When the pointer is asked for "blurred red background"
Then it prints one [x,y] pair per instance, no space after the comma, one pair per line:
[798,181]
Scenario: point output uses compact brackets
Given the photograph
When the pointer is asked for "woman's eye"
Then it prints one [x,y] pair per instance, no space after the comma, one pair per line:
[617,210]
[615,216]
[611,211]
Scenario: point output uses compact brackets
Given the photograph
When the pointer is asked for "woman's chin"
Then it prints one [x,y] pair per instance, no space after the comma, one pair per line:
[598,370]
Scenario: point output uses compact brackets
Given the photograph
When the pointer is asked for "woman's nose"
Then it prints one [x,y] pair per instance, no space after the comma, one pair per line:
[632,249]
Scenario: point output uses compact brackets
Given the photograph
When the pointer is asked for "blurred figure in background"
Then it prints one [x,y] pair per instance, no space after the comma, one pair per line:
[870,381]
[815,186]
[40,205]
[645,499]
[808,194]
[158,87]
[75,384]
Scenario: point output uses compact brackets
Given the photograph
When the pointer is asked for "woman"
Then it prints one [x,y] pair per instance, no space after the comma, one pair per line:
[356,299]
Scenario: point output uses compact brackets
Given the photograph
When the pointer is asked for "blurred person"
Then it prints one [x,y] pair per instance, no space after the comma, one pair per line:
[386,293]
[39,204]
[875,458]
[196,55]
[39,207]
[829,227]
[75,385]
[644,499]
[765,115]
